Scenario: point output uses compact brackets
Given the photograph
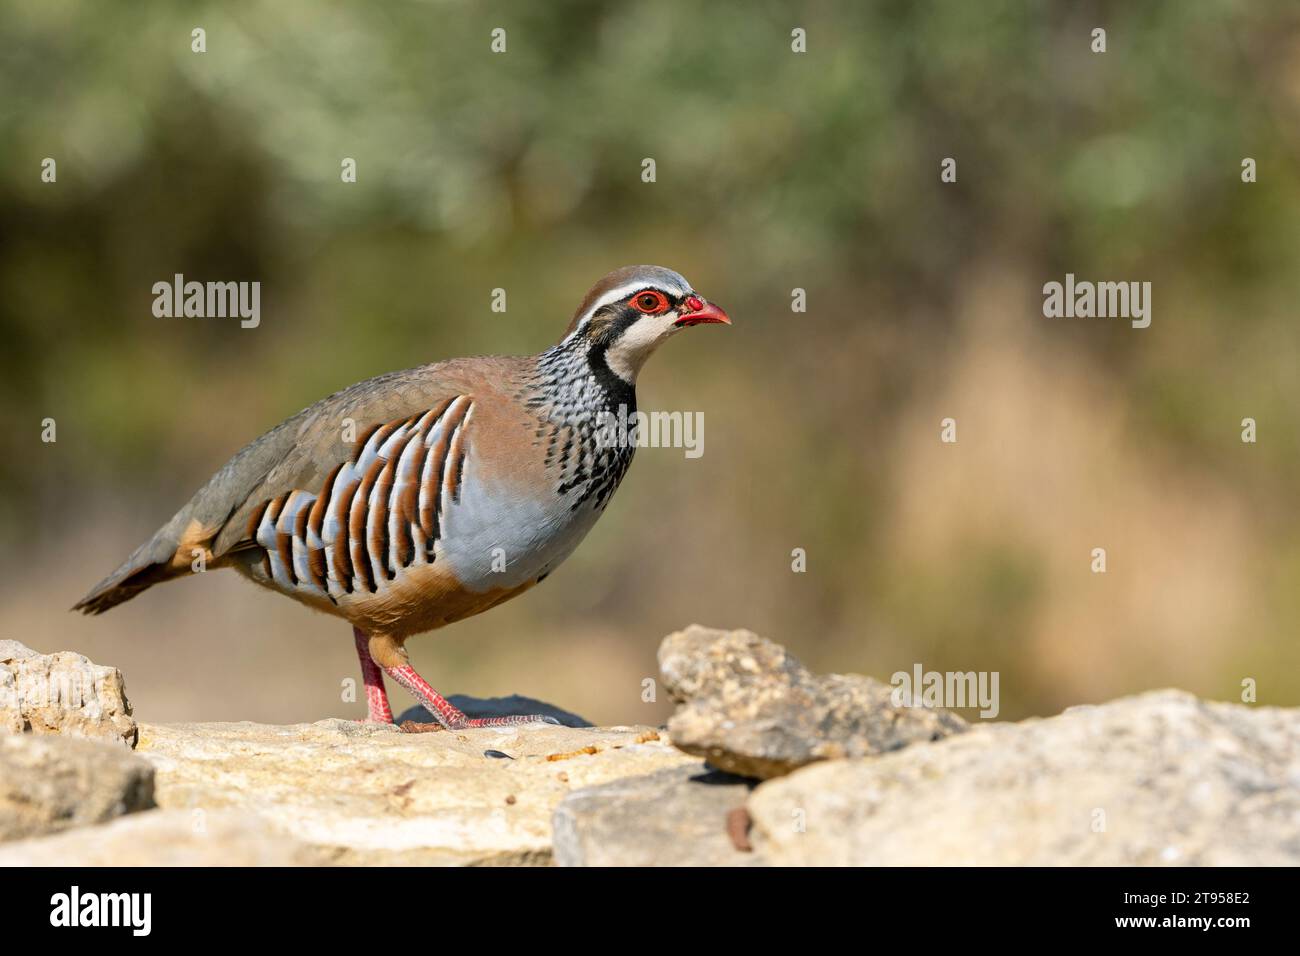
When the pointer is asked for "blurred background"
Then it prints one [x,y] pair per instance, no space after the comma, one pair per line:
[775,171]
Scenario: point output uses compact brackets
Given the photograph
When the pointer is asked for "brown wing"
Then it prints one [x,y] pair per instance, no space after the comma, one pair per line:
[301,453]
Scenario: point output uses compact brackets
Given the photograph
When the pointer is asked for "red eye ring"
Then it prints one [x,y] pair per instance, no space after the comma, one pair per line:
[650,301]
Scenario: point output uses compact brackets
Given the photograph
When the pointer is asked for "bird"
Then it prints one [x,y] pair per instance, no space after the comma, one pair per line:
[419,498]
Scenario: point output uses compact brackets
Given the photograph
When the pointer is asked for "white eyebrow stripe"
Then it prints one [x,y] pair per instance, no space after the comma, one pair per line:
[621,293]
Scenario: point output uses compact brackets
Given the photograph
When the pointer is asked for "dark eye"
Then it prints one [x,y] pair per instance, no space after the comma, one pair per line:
[650,302]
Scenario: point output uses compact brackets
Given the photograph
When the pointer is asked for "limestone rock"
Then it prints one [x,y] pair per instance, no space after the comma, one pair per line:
[51,783]
[167,838]
[750,708]
[62,693]
[1160,778]
[372,794]
[675,817]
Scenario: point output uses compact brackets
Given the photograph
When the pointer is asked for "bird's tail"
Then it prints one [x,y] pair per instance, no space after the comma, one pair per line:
[158,559]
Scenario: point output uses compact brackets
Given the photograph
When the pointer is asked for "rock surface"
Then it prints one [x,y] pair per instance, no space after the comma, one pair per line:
[676,817]
[50,783]
[751,709]
[63,693]
[1161,778]
[167,838]
[372,794]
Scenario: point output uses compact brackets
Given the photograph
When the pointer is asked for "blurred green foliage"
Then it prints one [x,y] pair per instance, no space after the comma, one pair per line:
[775,170]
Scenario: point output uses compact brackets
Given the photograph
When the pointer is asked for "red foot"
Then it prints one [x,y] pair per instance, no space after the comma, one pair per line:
[378,711]
[447,714]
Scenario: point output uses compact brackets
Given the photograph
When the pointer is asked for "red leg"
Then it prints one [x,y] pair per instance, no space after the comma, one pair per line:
[445,712]
[376,697]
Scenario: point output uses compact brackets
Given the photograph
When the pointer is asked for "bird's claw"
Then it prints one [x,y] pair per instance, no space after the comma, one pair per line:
[513,720]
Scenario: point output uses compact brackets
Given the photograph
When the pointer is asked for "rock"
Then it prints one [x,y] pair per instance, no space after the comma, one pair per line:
[751,709]
[497,707]
[675,817]
[372,794]
[167,838]
[1160,778]
[62,693]
[51,783]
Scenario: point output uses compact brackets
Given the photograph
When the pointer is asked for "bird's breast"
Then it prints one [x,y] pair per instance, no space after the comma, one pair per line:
[515,524]
[437,516]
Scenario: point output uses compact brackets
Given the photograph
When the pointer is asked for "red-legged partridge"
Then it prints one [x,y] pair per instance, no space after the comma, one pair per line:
[466,483]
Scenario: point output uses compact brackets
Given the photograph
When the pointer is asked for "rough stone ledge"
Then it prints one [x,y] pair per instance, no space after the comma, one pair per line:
[370,794]
[1161,778]
[750,708]
[62,693]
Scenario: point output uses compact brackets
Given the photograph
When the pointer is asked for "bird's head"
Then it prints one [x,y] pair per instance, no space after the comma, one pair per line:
[630,311]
